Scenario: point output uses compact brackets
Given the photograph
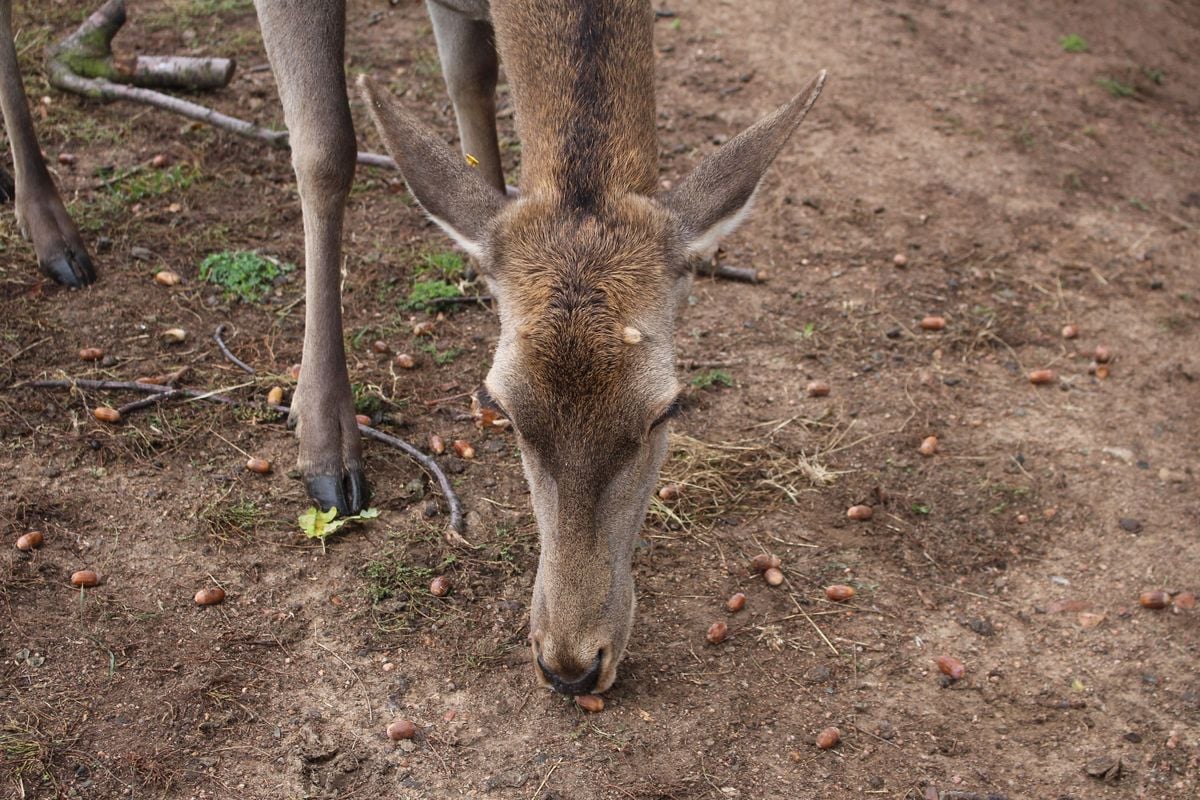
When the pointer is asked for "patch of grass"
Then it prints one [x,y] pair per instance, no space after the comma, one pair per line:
[223,520]
[712,377]
[441,357]
[1073,43]
[446,263]
[26,754]
[140,184]
[1154,75]
[368,399]
[1116,88]
[424,294]
[1139,204]
[243,273]
[180,13]
[390,577]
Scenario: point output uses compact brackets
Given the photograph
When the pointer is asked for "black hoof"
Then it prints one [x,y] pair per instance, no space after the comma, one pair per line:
[72,269]
[347,493]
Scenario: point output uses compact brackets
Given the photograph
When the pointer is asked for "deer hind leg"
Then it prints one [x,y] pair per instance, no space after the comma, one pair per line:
[41,215]
[467,49]
[305,45]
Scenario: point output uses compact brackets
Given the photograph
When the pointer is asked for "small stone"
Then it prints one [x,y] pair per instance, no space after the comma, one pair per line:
[1130,524]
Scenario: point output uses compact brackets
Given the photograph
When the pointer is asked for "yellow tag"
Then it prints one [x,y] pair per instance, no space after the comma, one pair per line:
[472,161]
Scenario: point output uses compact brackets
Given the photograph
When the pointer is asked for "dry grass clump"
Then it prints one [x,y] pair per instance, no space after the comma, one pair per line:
[717,479]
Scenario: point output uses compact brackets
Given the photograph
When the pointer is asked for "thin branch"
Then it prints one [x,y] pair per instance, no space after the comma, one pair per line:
[89,46]
[227,353]
[457,521]
[163,393]
[716,270]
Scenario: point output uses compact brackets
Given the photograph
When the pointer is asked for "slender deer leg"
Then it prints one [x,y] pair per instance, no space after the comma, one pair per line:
[467,49]
[305,45]
[40,212]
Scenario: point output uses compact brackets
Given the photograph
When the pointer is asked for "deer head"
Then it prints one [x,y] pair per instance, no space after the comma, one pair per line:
[587,295]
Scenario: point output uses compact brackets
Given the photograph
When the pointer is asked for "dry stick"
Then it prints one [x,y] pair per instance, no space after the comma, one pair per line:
[457,524]
[716,270]
[65,59]
[226,352]
[161,393]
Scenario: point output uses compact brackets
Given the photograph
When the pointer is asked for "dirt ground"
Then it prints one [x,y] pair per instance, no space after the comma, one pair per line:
[1028,187]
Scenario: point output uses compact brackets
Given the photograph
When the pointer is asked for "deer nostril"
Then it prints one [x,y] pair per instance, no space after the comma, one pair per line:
[581,685]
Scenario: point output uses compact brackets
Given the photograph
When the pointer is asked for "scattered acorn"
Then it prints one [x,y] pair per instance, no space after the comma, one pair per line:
[401,729]
[295,372]
[275,396]
[1102,354]
[106,414]
[929,446]
[259,465]
[67,159]
[1070,331]
[160,161]
[423,329]
[1154,599]
[773,576]
[91,354]
[951,666]
[1041,377]
[380,346]
[839,592]
[440,586]
[167,277]
[591,703]
[716,632]
[817,389]
[765,561]
[669,493]
[736,603]
[29,541]
[900,260]
[828,738]
[860,513]
[210,596]
[437,445]
[405,361]
[463,449]
[84,579]
[362,419]
[173,335]
[933,323]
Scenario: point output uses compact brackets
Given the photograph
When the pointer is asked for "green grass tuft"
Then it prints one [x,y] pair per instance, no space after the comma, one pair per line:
[425,295]
[712,377]
[1073,43]
[1116,88]
[243,273]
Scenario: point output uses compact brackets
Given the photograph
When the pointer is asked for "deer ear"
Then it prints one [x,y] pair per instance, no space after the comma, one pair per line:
[716,196]
[453,194]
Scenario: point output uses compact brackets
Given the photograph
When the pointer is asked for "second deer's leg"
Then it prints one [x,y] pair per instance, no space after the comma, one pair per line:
[305,45]
[467,49]
[41,214]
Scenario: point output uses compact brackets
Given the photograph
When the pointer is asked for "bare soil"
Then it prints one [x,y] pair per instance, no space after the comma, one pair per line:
[1029,187]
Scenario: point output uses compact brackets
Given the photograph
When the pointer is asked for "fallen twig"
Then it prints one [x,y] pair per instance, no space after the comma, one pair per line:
[67,70]
[88,53]
[712,268]
[457,521]
[161,393]
[227,353]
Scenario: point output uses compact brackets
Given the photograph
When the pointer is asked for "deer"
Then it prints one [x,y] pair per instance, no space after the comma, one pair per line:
[587,260]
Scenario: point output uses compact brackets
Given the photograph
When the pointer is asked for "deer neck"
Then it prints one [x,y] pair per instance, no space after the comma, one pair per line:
[582,80]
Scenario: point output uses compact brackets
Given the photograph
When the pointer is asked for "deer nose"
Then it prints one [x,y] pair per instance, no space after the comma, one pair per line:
[572,685]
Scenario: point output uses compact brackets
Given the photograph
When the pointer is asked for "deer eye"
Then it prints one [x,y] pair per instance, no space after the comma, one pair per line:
[670,412]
